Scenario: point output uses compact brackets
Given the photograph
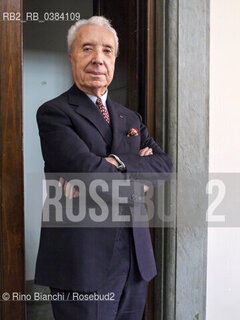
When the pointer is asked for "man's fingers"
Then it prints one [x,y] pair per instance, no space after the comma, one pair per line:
[145,152]
[148,152]
[146,188]
[75,194]
[68,190]
[65,188]
[142,151]
[60,182]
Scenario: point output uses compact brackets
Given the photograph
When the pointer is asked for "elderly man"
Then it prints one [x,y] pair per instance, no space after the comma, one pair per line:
[82,130]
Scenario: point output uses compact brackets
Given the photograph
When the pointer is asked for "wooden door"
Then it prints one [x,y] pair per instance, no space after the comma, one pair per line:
[135,74]
[12,277]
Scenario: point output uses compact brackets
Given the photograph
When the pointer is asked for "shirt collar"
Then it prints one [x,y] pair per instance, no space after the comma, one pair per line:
[103,98]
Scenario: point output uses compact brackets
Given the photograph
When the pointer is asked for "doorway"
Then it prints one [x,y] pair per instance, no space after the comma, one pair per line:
[39,70]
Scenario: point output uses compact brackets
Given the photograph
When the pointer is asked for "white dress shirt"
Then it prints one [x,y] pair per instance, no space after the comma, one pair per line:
[103,98]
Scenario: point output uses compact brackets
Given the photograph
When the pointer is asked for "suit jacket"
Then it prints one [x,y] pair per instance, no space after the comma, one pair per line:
[76,138]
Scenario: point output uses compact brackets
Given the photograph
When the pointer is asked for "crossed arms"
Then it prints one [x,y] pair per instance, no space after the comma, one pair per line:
[65,152]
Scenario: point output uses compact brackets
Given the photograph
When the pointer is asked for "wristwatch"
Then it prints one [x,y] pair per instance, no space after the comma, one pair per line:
[121,167]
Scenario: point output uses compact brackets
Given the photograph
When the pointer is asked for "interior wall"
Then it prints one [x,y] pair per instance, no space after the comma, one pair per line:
[223,283]
[46,74]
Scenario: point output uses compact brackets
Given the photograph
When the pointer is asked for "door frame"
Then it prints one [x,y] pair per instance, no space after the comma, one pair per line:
[141,99]
[12,268]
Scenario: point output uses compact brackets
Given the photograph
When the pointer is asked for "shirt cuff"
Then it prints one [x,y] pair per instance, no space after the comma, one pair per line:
[122,166]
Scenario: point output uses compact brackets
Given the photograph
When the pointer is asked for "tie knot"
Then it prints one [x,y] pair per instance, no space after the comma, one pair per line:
[99,101]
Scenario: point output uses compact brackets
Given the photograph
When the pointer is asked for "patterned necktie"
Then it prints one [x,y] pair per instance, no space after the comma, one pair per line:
[103,110]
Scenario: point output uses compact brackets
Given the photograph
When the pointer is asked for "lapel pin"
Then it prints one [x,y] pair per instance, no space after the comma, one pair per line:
[121,116]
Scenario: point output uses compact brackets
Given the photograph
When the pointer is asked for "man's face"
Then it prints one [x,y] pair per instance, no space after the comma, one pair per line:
[93,59]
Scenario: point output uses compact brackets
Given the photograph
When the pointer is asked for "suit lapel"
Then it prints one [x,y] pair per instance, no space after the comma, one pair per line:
[87,109]
[118,121]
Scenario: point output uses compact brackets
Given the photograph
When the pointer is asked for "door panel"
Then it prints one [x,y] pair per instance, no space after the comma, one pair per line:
[11,144]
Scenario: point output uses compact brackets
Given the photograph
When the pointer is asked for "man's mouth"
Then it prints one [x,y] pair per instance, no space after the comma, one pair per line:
[96,73]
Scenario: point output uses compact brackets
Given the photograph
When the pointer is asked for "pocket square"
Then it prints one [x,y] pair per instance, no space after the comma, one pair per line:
[133,132]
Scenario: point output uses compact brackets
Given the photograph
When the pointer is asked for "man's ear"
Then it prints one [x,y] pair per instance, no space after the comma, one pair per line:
[70,56]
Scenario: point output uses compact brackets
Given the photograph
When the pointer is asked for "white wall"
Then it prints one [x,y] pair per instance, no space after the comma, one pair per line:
[46,75]
[223,284]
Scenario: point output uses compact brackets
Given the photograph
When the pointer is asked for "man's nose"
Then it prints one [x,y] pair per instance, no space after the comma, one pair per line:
[97,57]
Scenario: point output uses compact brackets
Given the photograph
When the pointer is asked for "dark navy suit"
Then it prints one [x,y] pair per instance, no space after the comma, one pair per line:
[76,138]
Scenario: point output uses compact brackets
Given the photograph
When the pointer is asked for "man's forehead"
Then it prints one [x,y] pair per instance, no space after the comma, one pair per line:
[95,33]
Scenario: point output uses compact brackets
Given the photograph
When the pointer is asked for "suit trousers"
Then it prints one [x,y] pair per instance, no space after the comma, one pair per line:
[121,297]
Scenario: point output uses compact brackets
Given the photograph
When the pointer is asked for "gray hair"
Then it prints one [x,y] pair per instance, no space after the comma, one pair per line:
[96,20]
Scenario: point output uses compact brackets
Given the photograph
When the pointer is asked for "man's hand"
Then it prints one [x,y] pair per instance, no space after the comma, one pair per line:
[145,152]
[69,191]
[112,161]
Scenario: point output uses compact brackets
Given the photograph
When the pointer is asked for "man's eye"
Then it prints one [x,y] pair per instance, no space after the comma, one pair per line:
[107,50]
[87,49]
